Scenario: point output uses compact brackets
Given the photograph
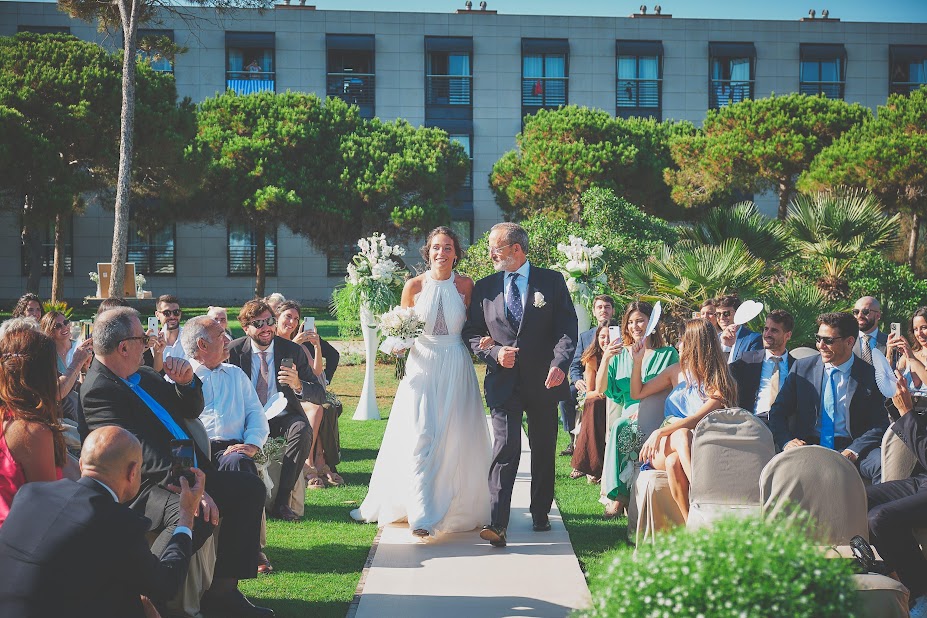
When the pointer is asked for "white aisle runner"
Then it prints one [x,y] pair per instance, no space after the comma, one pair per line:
[460,575]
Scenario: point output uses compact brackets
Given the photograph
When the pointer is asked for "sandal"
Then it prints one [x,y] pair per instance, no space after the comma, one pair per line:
[593,480]
[576,474]
[264,565]
[331,477]
[314,482]
[613,509]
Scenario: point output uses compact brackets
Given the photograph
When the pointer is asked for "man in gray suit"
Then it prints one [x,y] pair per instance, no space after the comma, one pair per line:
[867,312]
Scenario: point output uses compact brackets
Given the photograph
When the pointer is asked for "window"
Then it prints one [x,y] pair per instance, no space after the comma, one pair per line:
[464,140]
[545,72]
[152,249]
[464,230]
[338,263]
[47,240]
[823,70]
[45,29]
[640,78]
[448,71]
[351,70]
[733,73]
[250,61]
[151,43]
[907,68]
[242,250]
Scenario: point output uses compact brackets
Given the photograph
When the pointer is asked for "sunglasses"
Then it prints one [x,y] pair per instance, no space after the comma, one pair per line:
[142,338]
[827,340]
[63,325]
[864,311]
[724,314]
[260,323]
[171,312]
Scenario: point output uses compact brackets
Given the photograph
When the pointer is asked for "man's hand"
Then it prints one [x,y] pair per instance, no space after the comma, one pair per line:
[729,335]
[190,497]
[793,444]
[208,510]
[580,386]
[902,398]
[290,377]
[248,449]
[849,455]
[178,370]
[507,355]
[486,343]
[554,377]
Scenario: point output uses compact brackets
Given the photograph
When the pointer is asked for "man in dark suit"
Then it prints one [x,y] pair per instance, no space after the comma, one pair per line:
[867,312]
[72,549]
[735,340]
[760,374]
[118,390]
[261,355]
[832,398]
[603,310]
[528,312]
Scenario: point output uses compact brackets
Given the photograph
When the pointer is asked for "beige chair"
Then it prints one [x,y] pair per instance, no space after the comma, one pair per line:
[297,496]
[800,353]
[649,419]
[821,482]
[898,462]
[730,448]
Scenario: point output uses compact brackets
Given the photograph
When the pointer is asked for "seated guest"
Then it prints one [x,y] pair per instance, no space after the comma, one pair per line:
[32,447]
[19,324]
[29,305]
[701,383]
[261,355]
[589,453]
[109,303]
[760,374]
[119,390]
[220,315]
[154,351]
[832,399]
[273,301]
[603,310]
[72,549]
[867,312]
[912,358]
[614,379]
[735,340]
[168,312]
[707,312]
[72,359]
[323,455]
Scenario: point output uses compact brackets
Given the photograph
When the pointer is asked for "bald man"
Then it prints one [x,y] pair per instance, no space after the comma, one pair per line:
[867,312]
[71,548]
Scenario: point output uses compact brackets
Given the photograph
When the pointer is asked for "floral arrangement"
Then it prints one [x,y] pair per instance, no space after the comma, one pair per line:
[95,277]
[140,281]
[584,270]
[401,325]
[374,280]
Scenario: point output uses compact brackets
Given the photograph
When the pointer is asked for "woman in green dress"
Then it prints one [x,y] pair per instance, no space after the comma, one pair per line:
[614,379]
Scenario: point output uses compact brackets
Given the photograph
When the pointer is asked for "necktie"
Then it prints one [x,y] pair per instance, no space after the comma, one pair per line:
[774,379]
[828,407]
[513,302]
[866,349]
[262,383]
[163,415]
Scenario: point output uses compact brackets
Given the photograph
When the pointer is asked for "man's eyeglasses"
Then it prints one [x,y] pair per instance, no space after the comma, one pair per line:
[63,325]
[261,322]
[827,340]
[498,250]
[724,314]
[171,312]
[864,311]
[142,338]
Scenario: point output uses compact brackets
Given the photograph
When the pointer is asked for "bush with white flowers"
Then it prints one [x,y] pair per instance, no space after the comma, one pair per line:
[583,270]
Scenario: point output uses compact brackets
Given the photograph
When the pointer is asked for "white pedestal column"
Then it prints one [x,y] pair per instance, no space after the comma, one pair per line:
[367,405]
[583,318]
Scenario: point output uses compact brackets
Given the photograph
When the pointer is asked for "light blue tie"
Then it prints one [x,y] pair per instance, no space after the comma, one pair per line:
[163,415]
[828,408]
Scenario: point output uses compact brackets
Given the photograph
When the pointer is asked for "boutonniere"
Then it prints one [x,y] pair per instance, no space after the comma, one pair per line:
[539,300]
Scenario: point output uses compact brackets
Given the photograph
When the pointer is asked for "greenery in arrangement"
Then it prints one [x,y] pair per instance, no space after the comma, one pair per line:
[736,568]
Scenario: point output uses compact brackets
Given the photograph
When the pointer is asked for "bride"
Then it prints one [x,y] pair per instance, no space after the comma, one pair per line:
[433,464]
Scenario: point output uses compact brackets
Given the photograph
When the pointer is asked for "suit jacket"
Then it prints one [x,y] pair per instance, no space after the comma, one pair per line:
[313,391]
[576,367]
[881,343]
[68,549]
[801,397]
[546,337]
[107,400]
[746,341]
[747,371]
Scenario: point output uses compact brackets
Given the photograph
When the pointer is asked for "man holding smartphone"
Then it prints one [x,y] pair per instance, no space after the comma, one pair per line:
[168,311]
[274,365]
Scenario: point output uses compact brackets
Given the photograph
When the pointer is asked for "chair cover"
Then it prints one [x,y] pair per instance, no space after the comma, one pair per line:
[730,448]
[800,353]
[656,509]
[821,482]
[186,603]
[881,596]
[649,419]
[898,460]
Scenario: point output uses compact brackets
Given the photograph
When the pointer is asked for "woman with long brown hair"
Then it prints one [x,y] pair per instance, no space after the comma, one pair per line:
[589,449]
[701,383]
[32,447]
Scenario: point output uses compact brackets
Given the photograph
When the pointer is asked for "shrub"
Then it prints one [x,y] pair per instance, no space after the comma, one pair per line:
[735,568]
[898,289]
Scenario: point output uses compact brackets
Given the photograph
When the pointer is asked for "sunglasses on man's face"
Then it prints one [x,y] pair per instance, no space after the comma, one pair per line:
[864,311]
[261,322]
[171,312]
[827,340]
[724,314]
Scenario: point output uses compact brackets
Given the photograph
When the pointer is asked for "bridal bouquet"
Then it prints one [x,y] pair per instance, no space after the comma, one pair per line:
[401,326]
[584,271]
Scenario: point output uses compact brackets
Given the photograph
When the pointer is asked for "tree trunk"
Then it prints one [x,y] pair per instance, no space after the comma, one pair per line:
[785,194]
[129,11]
[912,241]
[32,244]
[260,253]
[57,292]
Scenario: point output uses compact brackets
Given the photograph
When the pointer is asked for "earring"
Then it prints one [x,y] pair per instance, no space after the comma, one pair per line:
[454,263]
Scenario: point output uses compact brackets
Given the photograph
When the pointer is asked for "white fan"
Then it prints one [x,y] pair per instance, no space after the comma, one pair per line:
[654,319]
[748,310]
[275,405]
[885,377]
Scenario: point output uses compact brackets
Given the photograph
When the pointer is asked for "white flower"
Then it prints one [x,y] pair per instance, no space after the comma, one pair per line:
[572,285]
[539,300]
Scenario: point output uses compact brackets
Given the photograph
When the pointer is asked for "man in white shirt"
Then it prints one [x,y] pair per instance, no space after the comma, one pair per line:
[760,374]
[168,312]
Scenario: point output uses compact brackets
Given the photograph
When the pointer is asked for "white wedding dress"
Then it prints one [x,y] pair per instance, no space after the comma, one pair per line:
[433,466]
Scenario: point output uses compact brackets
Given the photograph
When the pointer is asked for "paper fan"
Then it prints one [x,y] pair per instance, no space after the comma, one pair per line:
[885,377]
[747,311]
[654,319]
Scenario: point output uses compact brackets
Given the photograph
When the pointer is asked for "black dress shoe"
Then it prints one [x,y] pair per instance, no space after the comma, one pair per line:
[541,523]
[494,534]
[283,512]
[233,605]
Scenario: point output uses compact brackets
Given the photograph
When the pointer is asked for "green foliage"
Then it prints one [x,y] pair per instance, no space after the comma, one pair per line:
[765,238]
[60,307]
[561,153]
[757,145]
[737,567]
[805,302]
[898,289]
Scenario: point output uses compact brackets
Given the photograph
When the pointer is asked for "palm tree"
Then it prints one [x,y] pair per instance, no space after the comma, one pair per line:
[765,238]
[834,226]
[805,302]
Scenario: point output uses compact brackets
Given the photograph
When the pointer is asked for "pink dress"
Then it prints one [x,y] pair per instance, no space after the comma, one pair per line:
[11,478]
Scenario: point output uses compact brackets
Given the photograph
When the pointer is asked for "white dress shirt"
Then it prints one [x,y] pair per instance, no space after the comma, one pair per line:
[175,350]
[762,403]
[232,410]
[873,338]
[521,283]
[256,368]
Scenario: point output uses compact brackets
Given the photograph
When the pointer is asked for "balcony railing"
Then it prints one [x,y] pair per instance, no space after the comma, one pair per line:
[354,88]
[725,91]
[543,91]
[242,259]
[152,259]
[905,87]
[831,90]
[638,93]
[448,89]
[246,82]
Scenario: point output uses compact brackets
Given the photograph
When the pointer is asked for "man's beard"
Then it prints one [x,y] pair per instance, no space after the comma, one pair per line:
[503,264]
[868,326]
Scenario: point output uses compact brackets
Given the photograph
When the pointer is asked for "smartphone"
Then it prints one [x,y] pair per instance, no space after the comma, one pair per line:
[84,328]
[614,334]
[696,315]
[896,329]
[286,362]
[181,462]
[309,324]
[153,324]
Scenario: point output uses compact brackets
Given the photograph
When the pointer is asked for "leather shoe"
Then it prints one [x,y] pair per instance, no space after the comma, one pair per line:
[494,534]
[283,512]
[232,605]
[541,523]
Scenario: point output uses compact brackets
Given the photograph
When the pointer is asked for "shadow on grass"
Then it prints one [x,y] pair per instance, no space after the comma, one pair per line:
[337,514]
[285,608]
[328,558]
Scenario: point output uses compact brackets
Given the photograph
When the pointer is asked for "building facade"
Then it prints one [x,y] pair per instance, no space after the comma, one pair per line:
[474,73]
